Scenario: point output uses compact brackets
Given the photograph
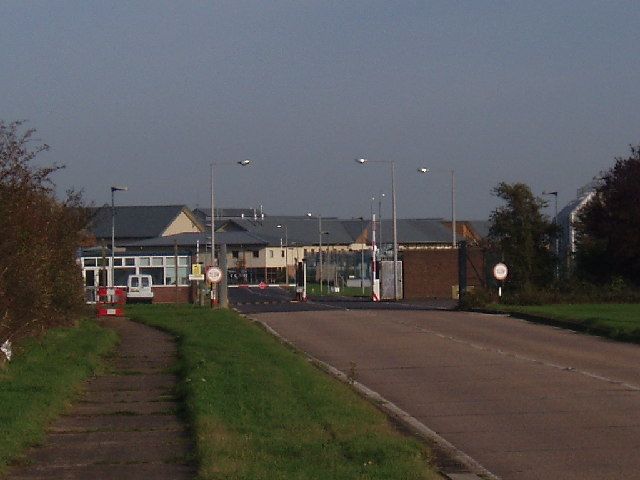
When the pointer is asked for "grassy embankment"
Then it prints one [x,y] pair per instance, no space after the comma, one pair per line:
[38,383]
[261,411]
[616,321]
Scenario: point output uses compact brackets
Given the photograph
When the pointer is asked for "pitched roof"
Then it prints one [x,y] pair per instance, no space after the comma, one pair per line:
[189,239]
[135,221]
[297,230]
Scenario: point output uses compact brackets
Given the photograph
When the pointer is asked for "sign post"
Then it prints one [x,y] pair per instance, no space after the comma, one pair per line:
[214,275]
[500,272]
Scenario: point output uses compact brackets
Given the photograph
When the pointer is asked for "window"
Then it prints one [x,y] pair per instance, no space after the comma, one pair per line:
[282,253]
[130,262]
[89,262]
[270,253]
[121,275]
[144,261]
[117,262]
[156,261]
[235,253]
[256,254]
[157,274]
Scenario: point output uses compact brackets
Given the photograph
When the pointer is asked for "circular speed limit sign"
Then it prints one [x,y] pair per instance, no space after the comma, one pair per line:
[500,271]
[214,275]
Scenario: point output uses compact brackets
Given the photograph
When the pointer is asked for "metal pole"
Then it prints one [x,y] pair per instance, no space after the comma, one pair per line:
[380,224]
[453,207]
[320,248]
[286,255]
[113,234]
[213,216]
[395,230]
[362,257]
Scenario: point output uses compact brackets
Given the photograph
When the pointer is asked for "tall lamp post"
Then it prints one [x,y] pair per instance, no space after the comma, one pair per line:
[242,163]
[286,252]
[556,246]
[362,161]
[114,188]
[454,242]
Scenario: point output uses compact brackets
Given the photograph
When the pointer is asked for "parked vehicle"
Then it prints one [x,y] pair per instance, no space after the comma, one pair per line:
[139,288]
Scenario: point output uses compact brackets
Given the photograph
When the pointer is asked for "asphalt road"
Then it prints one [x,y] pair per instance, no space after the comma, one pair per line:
[275,299]
[526,401]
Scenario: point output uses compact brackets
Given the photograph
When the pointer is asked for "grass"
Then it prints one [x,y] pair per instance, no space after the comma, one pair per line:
[38,383]
[260,411]
[620,321]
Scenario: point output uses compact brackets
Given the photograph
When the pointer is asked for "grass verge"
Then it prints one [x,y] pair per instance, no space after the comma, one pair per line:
[261,411]
[618,321]
[44,375]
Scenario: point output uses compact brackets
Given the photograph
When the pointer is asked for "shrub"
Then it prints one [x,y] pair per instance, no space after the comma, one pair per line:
[40,282]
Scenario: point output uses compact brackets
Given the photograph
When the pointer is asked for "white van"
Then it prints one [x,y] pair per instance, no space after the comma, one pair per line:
[139,288]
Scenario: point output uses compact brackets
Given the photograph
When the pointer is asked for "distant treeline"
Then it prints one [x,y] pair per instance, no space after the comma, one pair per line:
[40,282]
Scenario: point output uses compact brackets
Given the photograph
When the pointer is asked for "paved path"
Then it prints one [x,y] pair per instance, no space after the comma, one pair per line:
[526,401]
[125,426]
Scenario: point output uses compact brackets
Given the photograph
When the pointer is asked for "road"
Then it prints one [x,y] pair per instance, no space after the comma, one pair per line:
[526,401]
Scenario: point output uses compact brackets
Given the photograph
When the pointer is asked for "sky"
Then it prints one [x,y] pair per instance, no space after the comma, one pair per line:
[148,94]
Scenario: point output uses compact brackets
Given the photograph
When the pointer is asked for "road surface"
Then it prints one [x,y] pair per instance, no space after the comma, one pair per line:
[526,401]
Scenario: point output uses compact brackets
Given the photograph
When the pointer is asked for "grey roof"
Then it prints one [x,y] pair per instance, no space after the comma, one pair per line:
[204,214]
[235,238]
[480,227]
[416,231]
[299,230]
[134,221]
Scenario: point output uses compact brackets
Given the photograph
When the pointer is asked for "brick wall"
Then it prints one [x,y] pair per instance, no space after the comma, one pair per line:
[432,273]
[168,294]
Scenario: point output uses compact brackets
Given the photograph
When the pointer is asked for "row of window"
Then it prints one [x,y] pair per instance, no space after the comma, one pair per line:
[161,268]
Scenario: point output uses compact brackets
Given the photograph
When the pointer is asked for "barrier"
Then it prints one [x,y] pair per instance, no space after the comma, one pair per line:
[110,302]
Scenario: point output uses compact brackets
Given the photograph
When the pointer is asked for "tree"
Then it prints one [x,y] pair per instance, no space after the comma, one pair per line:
[523,235]
[40,283]
[608,228]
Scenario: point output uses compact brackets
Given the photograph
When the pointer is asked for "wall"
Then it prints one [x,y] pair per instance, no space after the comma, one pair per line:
[168,294]
[181,224]
[432,273]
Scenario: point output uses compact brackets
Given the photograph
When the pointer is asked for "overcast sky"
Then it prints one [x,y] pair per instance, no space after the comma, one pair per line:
[148,94]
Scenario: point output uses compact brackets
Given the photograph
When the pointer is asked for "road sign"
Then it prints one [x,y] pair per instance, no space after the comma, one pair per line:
[196,278]
[214,274]
[500,271]
[262,285]
[196,269]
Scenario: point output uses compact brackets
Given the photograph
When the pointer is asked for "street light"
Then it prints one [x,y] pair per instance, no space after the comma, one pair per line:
[362,161]
[453,203]
[286,252]
[242,163]
[114,188]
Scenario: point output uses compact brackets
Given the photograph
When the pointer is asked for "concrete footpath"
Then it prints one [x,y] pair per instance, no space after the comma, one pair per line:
[125,425]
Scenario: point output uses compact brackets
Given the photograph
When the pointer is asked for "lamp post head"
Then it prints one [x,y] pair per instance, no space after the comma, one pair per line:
[278,226]
[244,162]
[361,161]
[119,188]
[550,193]
[423,170]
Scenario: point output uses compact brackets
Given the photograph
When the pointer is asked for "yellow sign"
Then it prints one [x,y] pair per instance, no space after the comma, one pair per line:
[196,269]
